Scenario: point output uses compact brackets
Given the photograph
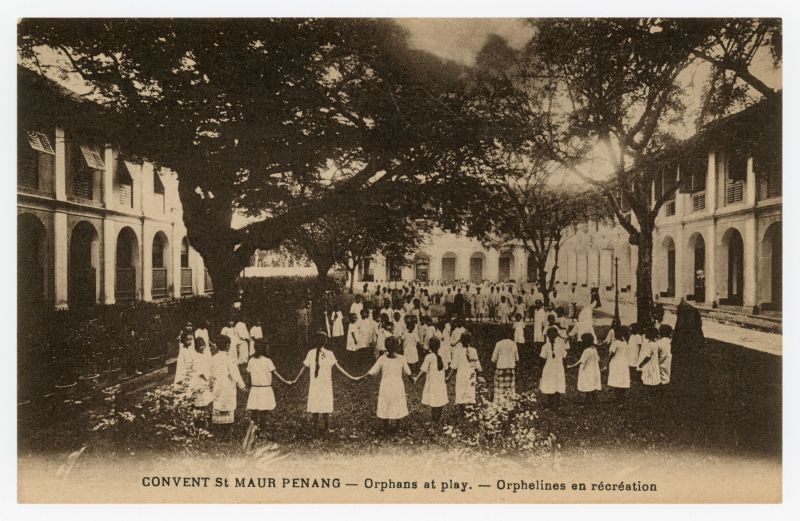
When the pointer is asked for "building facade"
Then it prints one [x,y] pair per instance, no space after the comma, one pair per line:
[95,226]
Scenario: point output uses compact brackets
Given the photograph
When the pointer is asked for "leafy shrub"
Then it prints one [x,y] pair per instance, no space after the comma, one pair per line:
[165,418]
[504,429]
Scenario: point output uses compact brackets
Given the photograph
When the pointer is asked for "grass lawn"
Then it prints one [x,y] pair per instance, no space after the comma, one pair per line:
[725,400]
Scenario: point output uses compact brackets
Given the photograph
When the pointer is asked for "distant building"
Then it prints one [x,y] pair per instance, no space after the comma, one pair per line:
[94,225]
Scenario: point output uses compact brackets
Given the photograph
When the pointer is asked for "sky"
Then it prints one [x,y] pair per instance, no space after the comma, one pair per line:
[460,39]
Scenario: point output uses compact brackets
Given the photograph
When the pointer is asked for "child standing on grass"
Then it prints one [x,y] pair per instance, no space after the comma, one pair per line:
[519,331]
[392,403]
[410,336]
[553,383]
[634,346]
[199,372]
[434,394]
[589,370]
[665,352]
[353,334]
[503,310]
[261,399]
[466,365]
[505,357]
[648,359]
[320,363]
[226,378]
[619,376]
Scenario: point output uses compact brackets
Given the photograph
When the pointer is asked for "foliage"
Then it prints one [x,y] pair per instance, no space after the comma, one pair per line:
[164,418]
[501,429]
[282,133]
[533,211]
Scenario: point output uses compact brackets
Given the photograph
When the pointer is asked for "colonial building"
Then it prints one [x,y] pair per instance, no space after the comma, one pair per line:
[94,225]
[718,240]
[447,257]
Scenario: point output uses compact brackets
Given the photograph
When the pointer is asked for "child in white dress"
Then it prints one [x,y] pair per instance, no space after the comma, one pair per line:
[392,403]
[648,360]
[553,382]
[410,337]
[434,394]
[226,378]
[665,352]
[619,376]
[589,370]
[198,371]
[320,363]
[634,346]
[519,331]
[466,365]
[261,399]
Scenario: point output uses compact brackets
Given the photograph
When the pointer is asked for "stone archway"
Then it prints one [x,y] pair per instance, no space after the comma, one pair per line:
[84,265]
[161,266]
[127,265]
[31,263]
[449,261]
[477,261]
[771,273]
[697,262]
[732,257]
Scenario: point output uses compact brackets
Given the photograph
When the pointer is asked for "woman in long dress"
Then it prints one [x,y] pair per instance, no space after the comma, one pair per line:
[434,394]
[619,376]
[226,378]
[466,365]
[584,324]
[553,383]
[320,363]
[198,370]
[392,403]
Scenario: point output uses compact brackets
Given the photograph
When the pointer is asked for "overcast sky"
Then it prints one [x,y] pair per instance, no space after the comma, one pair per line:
[460,39]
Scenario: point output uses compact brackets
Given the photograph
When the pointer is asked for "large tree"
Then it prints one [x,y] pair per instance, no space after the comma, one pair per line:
[606,98]
[283,120]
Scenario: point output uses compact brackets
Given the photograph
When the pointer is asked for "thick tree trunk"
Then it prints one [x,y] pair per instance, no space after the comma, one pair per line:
[543,286]
[224,275]
[352,273]
[321,284]
[644,278]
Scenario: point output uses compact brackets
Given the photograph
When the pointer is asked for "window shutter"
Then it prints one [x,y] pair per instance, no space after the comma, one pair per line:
[40,142]
[92,157]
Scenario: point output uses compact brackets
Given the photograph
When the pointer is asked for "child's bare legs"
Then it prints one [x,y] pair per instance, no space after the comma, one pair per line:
[436,414]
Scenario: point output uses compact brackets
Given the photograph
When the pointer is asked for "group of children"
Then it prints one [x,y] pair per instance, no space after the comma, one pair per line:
[405,344]
[631,356]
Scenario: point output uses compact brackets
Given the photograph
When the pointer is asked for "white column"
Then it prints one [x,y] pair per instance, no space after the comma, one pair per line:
[751,188]
[108,261]
[108,178]
[60,180]
[711,265]
[750,261]
[147,187]
[147,263]
[138,190]
[175,245]
[680,264]
[521,260]
[711,185]
[61,252]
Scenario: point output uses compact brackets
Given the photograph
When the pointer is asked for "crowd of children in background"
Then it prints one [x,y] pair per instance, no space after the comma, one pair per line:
[395,328]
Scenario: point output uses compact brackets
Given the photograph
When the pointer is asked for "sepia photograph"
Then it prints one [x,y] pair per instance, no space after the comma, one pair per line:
[399,260]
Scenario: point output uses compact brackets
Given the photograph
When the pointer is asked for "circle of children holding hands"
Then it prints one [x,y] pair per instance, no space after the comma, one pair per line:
[400,334]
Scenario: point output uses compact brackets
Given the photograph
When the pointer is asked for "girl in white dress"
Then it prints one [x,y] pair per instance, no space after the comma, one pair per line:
[589,370]
[519,331]
[320,363]
[553,382]
[410,337]
[198,370]
[584,324]
[434,394]
[665,352]
[261,398]
[634,346]
[226,378]
[337,328]
[648,360]
[619,376]
[466,365]
[392,403]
